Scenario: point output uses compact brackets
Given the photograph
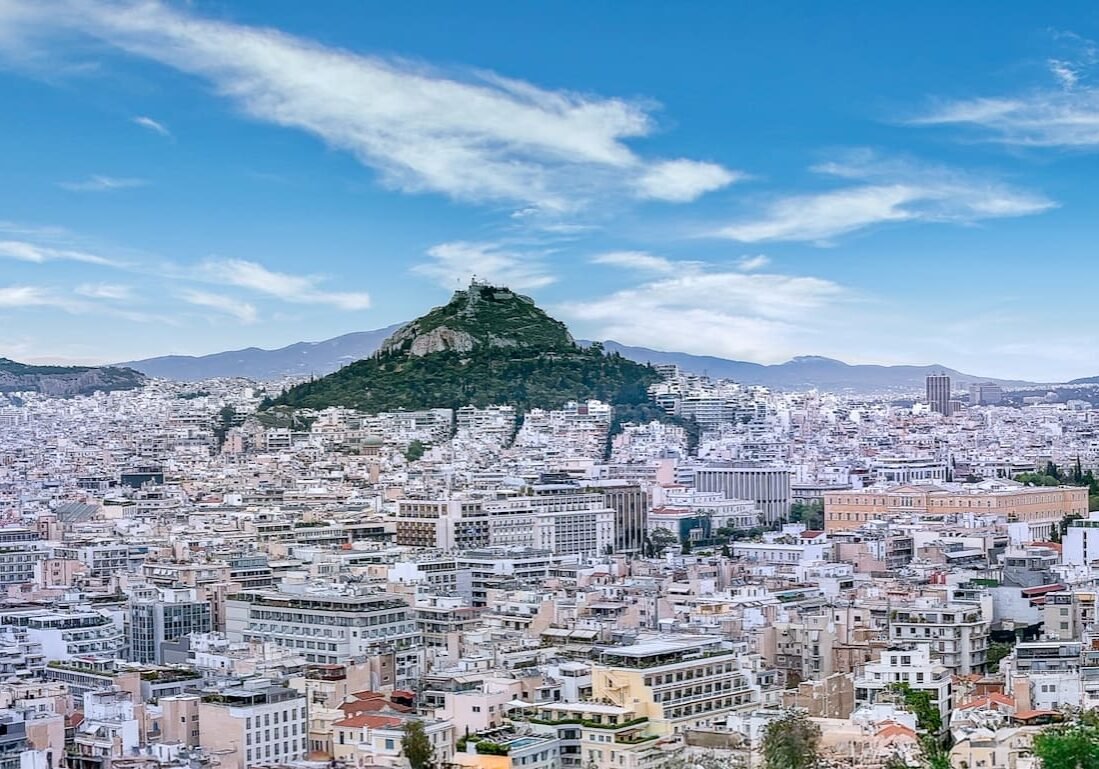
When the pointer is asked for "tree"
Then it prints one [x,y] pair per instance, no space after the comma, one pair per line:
[416,746]
[791,742]
[996,652]
[1069,746]
[661,540]
[414,451]
[928,717]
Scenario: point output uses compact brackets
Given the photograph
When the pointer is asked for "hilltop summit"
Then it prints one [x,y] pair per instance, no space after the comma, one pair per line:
[481,316]
[487,345]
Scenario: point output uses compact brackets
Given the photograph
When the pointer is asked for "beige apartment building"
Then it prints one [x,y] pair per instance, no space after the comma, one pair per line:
[1039,506]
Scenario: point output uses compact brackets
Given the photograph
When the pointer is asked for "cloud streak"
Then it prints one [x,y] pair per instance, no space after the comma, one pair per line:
[474,136]
[226,305]
[152,125]
[882,192]
[99,183]
[300,289]
[26,251]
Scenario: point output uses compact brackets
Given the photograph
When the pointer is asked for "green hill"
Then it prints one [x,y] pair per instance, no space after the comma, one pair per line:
[487,345]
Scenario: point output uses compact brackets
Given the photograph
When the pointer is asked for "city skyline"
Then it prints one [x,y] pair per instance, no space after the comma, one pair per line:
[741,182]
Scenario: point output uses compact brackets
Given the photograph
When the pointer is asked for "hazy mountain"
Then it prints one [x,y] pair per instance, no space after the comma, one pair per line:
[318,358]
[65,380]
[804,372]
[325,357]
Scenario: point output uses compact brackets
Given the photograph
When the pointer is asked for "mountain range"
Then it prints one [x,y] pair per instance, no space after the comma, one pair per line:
[300,358]
[321,358]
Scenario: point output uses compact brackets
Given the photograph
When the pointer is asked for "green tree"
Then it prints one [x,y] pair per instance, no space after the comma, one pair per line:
[414,451]
[1069,746]
[416,746]
[996,652]
[928,717]
[791,742]
[661,540]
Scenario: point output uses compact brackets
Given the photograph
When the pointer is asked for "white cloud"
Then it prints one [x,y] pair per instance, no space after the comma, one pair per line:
[1066,74]
[759,317]
[99,183]
[227,305]
[301,289]
[636,260]
[153,125]
[33,252]
[681,181]
[452,266]
[753,263]
[1043,118]
[26,296]
[472,136]
[884,192]
[110,291]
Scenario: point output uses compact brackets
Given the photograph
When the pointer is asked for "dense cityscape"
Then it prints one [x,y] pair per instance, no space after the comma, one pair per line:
[193,579]
[548,385]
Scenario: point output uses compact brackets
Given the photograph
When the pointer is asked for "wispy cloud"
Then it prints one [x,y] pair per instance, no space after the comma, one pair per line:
[302,289]
[25,251]
[452,265]
[752,263]
[641,261]
[474,136]
[884,191]
[98,183]
[757,316]
[153,125]
[1063,114]
[110,291]
[30,296]
[226,305]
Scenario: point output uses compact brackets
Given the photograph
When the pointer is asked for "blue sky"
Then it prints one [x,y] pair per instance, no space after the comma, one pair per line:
[872,182]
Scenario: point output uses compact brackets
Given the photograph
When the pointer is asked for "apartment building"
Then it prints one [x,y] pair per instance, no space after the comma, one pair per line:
[905,664]
[956,635]
[246,727]
[327,626]
[678,682]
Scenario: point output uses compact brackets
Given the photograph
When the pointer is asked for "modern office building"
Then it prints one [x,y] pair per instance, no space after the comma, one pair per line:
[938,394]
[985,394]
[768,487]
[164,615]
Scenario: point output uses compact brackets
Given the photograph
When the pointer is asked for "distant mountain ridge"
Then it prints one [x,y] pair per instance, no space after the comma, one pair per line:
[64,381]
[804,372]
[300,358]
[325,357]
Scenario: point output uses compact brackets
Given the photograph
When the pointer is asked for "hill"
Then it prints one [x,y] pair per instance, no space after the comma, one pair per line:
[486,345]
[64,381]
[318,358]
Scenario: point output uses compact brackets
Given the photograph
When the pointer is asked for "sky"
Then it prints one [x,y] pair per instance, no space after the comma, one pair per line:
[873,182]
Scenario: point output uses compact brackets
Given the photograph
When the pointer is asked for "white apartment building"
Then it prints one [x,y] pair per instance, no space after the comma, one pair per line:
[956,635]
[327,626]
[910,665]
